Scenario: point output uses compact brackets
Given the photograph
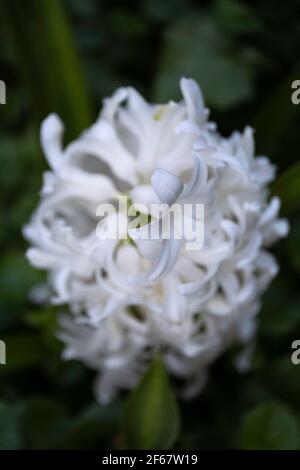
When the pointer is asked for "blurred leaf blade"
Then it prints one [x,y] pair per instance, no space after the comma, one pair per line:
[152,419]
[270,426]
[49,62]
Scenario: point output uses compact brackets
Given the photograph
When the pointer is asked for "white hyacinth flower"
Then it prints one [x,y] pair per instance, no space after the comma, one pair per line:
[132,298]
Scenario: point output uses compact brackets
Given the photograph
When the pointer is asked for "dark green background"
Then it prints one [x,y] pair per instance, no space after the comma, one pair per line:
[65,56]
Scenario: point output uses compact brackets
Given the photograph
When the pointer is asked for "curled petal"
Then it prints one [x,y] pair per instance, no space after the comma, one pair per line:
[166,259]
[166,185]
[51,140]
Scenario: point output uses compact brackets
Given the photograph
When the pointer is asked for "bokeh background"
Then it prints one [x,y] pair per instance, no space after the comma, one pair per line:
[66,56]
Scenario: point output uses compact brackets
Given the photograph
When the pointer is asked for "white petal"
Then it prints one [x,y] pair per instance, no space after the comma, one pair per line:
[51,139]
[144,194]
[193,98]
[198,178]
[167,186]
[166,259]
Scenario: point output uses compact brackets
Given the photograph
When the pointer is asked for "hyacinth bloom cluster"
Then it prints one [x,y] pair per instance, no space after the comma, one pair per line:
[130,299]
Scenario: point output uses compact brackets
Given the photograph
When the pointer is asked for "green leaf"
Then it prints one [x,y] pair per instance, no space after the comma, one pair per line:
[195,47]
[152,419]
[49,62]
[270,426]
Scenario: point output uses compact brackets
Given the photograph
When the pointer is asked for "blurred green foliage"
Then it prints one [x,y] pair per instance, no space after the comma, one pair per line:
[271,426]
[65,56]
